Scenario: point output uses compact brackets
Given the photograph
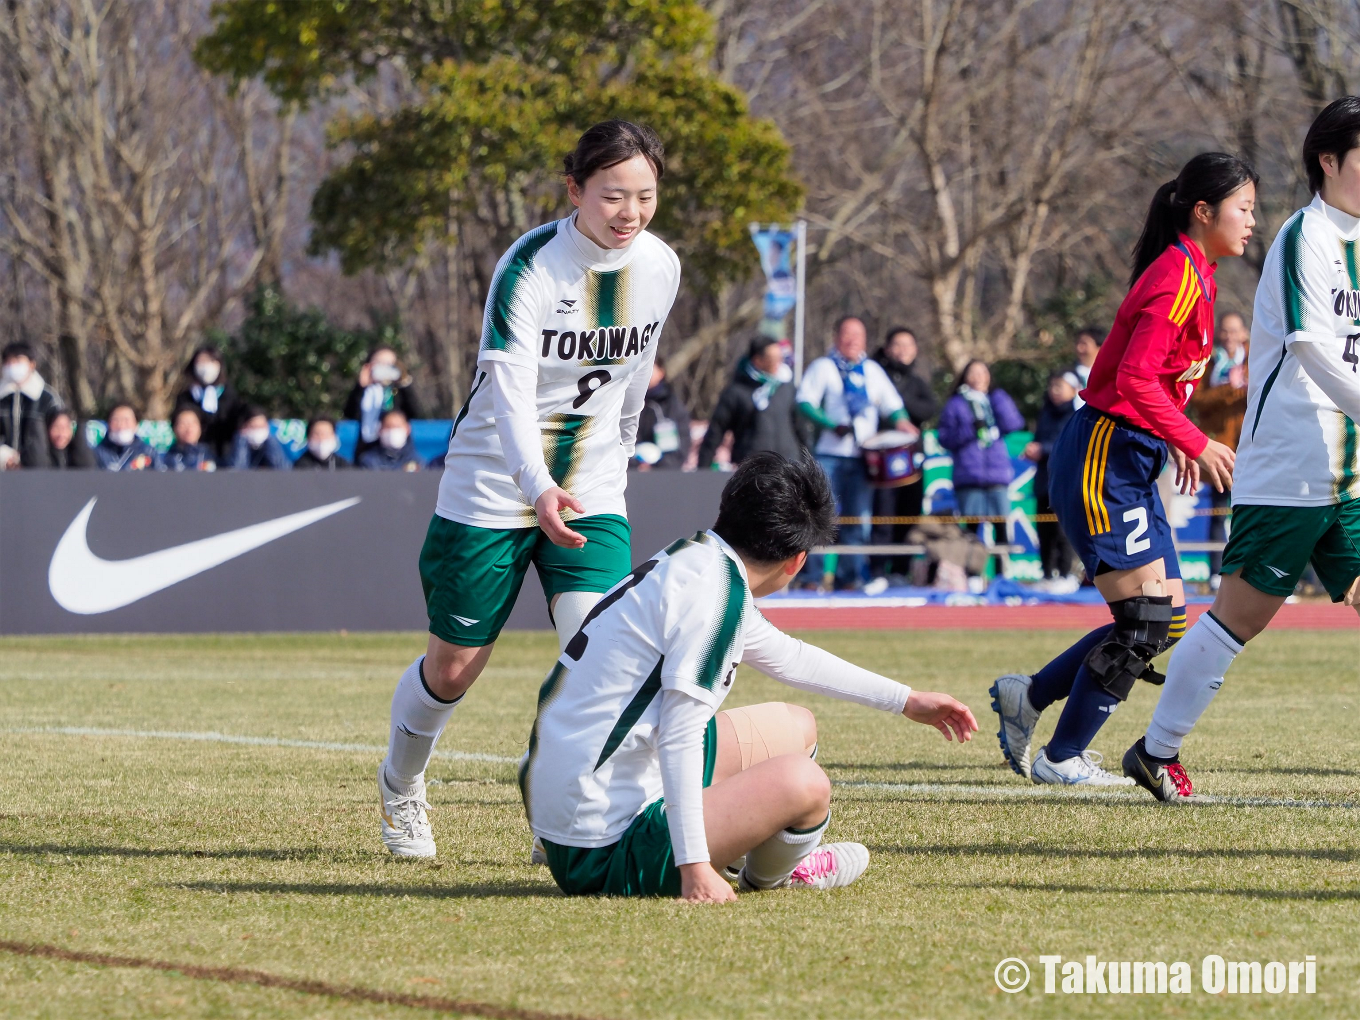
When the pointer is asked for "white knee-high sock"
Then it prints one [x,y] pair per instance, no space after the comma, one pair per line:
[570,612]
[418,717]
[1193,676]
[769,865]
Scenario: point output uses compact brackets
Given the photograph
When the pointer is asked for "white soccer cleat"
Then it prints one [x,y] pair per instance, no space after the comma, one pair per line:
[830,866]
[1010,701]
[538,855]
[405,826]
[1083,770]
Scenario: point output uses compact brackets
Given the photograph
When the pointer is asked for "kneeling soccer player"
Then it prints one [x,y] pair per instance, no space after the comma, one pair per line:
[630,713]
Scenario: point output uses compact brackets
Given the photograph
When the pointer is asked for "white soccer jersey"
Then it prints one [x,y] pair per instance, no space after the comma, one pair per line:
[1297,448]
[682,621]
[823,388]
[585,321]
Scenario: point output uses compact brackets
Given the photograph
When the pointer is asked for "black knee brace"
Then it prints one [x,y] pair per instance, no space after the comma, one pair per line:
[1142,626]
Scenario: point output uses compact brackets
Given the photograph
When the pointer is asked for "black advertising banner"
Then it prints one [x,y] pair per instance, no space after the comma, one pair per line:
[90,552]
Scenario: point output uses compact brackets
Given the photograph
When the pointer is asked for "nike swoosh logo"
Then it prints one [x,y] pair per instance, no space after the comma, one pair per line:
[83,583]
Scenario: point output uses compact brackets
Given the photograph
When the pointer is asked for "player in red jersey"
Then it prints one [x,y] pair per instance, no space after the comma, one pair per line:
[1104,469]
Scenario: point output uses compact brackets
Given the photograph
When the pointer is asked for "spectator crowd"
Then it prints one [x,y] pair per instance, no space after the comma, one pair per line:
[213,427]
[863,417]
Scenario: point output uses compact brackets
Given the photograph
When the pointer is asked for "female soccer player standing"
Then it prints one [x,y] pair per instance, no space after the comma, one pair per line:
[573,316]
[1105,464]
[1297,492]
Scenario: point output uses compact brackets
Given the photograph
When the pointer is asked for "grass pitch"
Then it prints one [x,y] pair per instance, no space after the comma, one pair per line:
[265,857]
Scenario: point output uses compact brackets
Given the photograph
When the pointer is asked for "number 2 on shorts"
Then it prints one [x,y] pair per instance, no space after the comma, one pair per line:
[1135,542]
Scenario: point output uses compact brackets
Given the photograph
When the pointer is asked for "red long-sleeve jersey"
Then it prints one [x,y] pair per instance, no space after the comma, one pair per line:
[1159,347]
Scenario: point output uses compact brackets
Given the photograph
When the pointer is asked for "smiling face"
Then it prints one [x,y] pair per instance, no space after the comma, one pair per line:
[615,204]
[60,432]
[1225,231]
[902,347]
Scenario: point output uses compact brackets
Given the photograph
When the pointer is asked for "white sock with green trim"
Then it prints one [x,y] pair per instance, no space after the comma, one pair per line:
[769,865]
[1198,665]
[570,612]
[418,717]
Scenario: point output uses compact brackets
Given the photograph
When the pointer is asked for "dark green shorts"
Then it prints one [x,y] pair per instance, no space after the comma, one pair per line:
[1273,545]
[472,575]
[639,864]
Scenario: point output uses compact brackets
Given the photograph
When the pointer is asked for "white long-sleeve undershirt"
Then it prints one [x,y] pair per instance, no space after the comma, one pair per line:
[1331,375]
[514,406]
[815,670]
[680,746]
[634,399]
[683,718]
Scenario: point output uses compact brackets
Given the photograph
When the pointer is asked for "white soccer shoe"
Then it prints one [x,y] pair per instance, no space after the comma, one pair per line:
[830,866]
[538,855]
[1010,701]
[1083,770]
[827,867]
[405,826]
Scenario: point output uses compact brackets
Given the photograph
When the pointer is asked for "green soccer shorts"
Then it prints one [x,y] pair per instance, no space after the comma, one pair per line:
[1273,545]
[472,575]
[639,864]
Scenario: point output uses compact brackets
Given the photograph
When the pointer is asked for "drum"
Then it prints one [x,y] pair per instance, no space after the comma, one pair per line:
[893,459]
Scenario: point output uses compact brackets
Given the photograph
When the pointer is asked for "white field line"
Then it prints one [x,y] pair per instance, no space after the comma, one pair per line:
[230,738]
[1087,796]
[923,789]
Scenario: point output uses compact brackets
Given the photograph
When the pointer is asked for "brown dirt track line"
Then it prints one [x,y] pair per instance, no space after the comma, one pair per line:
[263,979]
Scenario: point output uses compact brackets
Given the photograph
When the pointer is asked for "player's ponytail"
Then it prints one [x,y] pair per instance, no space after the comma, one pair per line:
[1210,178]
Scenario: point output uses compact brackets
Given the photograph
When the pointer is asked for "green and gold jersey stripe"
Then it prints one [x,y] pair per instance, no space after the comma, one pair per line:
[507,288]
[731,604]
[1291,266]
[609,297]
[1347,485]
[562,446]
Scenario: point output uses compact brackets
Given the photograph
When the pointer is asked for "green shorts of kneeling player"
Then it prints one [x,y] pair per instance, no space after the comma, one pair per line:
[637,782]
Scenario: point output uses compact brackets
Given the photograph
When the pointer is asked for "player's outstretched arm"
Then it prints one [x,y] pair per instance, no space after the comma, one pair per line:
[948,715]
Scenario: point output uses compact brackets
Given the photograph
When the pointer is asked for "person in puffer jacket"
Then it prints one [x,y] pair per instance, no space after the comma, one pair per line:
[971,428]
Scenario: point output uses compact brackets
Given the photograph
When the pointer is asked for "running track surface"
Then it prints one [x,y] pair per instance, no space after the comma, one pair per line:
[1296,616]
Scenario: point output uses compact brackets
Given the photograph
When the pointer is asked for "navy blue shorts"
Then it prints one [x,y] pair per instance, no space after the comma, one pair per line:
[1102,482]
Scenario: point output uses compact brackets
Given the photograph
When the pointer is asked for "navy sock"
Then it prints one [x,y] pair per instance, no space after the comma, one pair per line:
[1087,708]
[1054,681]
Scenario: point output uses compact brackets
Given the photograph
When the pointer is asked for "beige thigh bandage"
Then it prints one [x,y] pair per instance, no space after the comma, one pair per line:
[766,731]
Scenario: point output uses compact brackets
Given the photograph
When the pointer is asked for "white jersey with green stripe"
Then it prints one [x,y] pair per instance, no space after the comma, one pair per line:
[681,622]
[677,622]
[585,320]
[1297,448]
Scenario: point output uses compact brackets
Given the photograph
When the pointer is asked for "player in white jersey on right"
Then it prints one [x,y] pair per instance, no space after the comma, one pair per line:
[538,456]
[635,782]
[1296,485]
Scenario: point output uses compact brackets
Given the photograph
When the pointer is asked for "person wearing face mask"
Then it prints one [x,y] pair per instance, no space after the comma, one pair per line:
[66,446]
[396,451]
[122,449]
[25,403]
[255,446]
[383,386]
[187,453]
[207,391]
[322,446]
